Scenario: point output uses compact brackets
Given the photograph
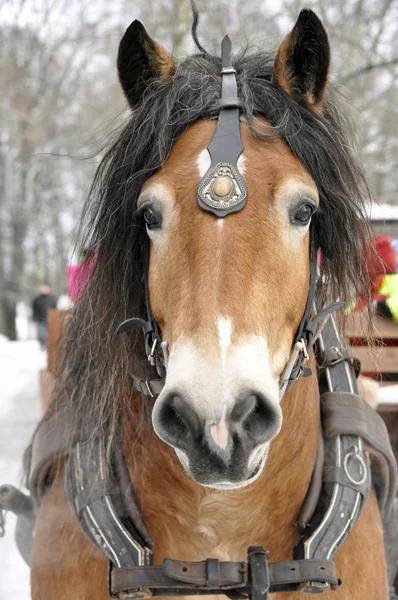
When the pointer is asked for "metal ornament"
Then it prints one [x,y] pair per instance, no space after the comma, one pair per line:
[223,188]
[223,191]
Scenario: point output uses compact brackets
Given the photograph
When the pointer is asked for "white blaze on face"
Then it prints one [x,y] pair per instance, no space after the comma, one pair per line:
[220,431]
[224,334]
[204,162]
[212,374]
[212,377]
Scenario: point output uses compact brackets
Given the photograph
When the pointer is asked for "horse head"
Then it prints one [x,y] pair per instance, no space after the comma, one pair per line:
[228,293]
[227,288]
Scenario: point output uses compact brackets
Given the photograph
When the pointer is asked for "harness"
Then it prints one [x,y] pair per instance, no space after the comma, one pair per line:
[102,499]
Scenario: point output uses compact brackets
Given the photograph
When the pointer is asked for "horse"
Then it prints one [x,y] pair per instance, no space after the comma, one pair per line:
[217,461]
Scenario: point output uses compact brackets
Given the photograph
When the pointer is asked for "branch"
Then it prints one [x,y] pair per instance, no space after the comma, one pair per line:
[371,67]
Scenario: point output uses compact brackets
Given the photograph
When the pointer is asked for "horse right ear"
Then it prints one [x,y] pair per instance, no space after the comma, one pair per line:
[140,61]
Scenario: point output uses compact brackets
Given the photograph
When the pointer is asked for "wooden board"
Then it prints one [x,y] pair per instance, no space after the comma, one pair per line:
[356,327]
[378,360]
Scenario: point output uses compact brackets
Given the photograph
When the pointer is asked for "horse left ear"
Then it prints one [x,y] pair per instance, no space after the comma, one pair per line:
[302,62]
[140,61]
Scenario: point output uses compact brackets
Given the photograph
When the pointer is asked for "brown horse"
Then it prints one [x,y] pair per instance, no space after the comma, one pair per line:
[214,466]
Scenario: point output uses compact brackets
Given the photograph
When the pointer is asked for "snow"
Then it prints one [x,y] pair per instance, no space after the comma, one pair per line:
[388,394]
[382,212]
[20,364]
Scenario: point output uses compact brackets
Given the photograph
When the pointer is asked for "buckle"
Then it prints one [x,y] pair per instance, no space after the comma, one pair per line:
[304,350]
[151,355]
[135,594]
[314,587]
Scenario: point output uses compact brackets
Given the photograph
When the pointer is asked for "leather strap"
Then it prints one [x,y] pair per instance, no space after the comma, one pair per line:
[334,355]
[210,573]
[226,145]
[94,491]
[258,573]
[176,578]
[147,387]
[53,438]
[314,491]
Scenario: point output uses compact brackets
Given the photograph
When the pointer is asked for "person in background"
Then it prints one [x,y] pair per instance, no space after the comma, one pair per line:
[381,265]
[40,306]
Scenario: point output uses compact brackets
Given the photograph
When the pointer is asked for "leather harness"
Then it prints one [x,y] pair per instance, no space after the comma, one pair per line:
[103,502]
[102,499]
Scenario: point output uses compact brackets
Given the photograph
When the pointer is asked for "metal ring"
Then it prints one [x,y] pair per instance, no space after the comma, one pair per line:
[355,454]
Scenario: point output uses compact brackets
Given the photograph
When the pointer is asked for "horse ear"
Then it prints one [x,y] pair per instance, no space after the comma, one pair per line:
[302,62]
[140,61]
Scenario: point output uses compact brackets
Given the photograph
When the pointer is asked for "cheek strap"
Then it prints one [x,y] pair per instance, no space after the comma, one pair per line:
[308,329]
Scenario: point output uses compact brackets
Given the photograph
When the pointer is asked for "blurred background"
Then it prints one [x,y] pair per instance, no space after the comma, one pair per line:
[59,101]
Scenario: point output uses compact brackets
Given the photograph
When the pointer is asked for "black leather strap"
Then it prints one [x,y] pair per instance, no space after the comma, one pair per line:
[213,572]
[147,387]
[226,145]
[258,573]
[257,578]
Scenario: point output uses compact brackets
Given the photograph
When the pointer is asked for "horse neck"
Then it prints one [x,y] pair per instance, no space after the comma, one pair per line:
[188,521]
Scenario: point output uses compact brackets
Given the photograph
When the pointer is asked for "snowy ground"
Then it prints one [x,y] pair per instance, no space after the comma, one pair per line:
[20,363]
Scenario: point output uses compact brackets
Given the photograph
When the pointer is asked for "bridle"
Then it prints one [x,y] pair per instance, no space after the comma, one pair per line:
[222,191]
[306,335]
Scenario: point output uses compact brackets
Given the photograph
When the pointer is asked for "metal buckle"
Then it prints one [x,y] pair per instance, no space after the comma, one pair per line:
[151,355]
[304,350]
[226,70]
[314,587]
[135,594]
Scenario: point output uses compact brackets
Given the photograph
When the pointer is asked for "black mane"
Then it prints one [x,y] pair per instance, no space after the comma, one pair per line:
[96,366]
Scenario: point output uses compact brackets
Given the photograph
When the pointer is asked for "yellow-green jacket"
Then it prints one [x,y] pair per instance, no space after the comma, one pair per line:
[389,288]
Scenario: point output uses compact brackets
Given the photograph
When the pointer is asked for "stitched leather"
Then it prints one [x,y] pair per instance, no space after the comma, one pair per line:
[346,413]
[174,580]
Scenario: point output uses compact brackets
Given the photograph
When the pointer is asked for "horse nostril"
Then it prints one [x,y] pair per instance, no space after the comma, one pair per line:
[177,422]
[257,417]
[242,410]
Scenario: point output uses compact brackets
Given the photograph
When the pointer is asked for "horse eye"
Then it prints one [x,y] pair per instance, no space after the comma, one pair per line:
[151,219]
[303,214]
